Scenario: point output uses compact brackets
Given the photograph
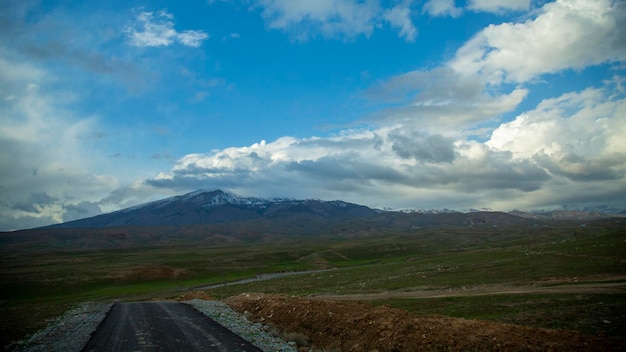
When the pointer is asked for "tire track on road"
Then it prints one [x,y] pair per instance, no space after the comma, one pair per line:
[163,326]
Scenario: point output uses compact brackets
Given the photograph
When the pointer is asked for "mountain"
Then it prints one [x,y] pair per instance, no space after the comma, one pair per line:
[207,218]
[216,206]
[302,217]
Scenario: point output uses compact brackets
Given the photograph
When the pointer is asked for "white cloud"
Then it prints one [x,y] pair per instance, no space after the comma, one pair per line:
[498,6]
[192,38]
[331,18]
[442,99]
[51,162]
[578,139]
[570,143]
[358,161]
[579,136]
[45,154]
[400,17]
[335,18]
[150,30]
[567,34]
[551,155]
[567,149]
[441,8]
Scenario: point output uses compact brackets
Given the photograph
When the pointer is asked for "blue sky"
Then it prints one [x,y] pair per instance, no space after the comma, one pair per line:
[427,104]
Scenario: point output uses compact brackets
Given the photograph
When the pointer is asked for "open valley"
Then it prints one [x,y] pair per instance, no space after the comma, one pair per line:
[480,281]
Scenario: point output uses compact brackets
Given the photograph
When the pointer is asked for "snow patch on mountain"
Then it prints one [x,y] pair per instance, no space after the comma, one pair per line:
[216,197]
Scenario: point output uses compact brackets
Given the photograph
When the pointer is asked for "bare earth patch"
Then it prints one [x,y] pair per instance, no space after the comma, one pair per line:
[188,296]
[326,324]
[553,287]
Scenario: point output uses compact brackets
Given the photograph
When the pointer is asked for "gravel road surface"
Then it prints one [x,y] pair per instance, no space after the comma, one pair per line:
[163,326]
[72,331]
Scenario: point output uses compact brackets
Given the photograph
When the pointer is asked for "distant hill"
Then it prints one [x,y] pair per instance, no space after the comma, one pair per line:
[308,217]
[216,206]
[219,218]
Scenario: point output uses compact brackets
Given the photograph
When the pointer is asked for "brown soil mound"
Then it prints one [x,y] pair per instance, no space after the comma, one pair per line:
[354,326]
[188,296]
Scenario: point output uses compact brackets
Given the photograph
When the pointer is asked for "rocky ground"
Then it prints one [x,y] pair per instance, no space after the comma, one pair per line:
[70,332]
[329,325]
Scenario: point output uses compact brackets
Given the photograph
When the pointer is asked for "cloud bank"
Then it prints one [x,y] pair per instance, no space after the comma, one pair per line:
[565,35]
[572,141]
[461,134]
[422,154]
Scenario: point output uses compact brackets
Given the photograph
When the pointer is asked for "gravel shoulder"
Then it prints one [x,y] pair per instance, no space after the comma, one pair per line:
[69,332]
[255,333]
[72,331]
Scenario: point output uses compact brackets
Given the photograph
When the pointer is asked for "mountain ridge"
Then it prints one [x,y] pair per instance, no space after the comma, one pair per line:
[202,207]
[217,206]
[220,218]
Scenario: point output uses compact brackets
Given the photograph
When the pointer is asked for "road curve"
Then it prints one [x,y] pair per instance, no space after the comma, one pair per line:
[163,326]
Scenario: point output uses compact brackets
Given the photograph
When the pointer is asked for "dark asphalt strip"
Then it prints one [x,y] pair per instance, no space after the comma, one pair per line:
[163,326]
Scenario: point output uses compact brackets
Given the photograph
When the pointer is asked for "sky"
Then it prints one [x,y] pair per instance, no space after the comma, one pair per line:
[420,104]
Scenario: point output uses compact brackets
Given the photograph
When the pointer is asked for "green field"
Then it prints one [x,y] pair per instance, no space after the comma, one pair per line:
[38,285]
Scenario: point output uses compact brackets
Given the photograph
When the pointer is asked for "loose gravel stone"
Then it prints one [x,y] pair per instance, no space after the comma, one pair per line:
[71,331]
[240,325]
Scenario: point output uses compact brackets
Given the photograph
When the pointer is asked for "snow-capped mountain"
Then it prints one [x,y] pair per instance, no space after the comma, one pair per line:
[210,198]
[216,206]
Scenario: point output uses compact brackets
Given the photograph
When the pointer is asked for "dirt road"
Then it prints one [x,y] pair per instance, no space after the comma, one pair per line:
[163,326]
[483,290]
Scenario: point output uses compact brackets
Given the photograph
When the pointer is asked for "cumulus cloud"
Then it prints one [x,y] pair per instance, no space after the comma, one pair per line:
[427,148]
[567,149]
[577,136]
[50,158]
[441,8]
[154,30]
[566,34]
[420,146]
[364,171]
[357,160]
[571,144]
[43,159]
[475,85]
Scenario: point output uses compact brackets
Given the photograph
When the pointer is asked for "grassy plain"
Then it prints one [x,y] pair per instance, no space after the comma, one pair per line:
[37,285]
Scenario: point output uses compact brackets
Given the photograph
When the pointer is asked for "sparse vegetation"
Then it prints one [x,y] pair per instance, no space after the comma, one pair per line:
[37,285]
